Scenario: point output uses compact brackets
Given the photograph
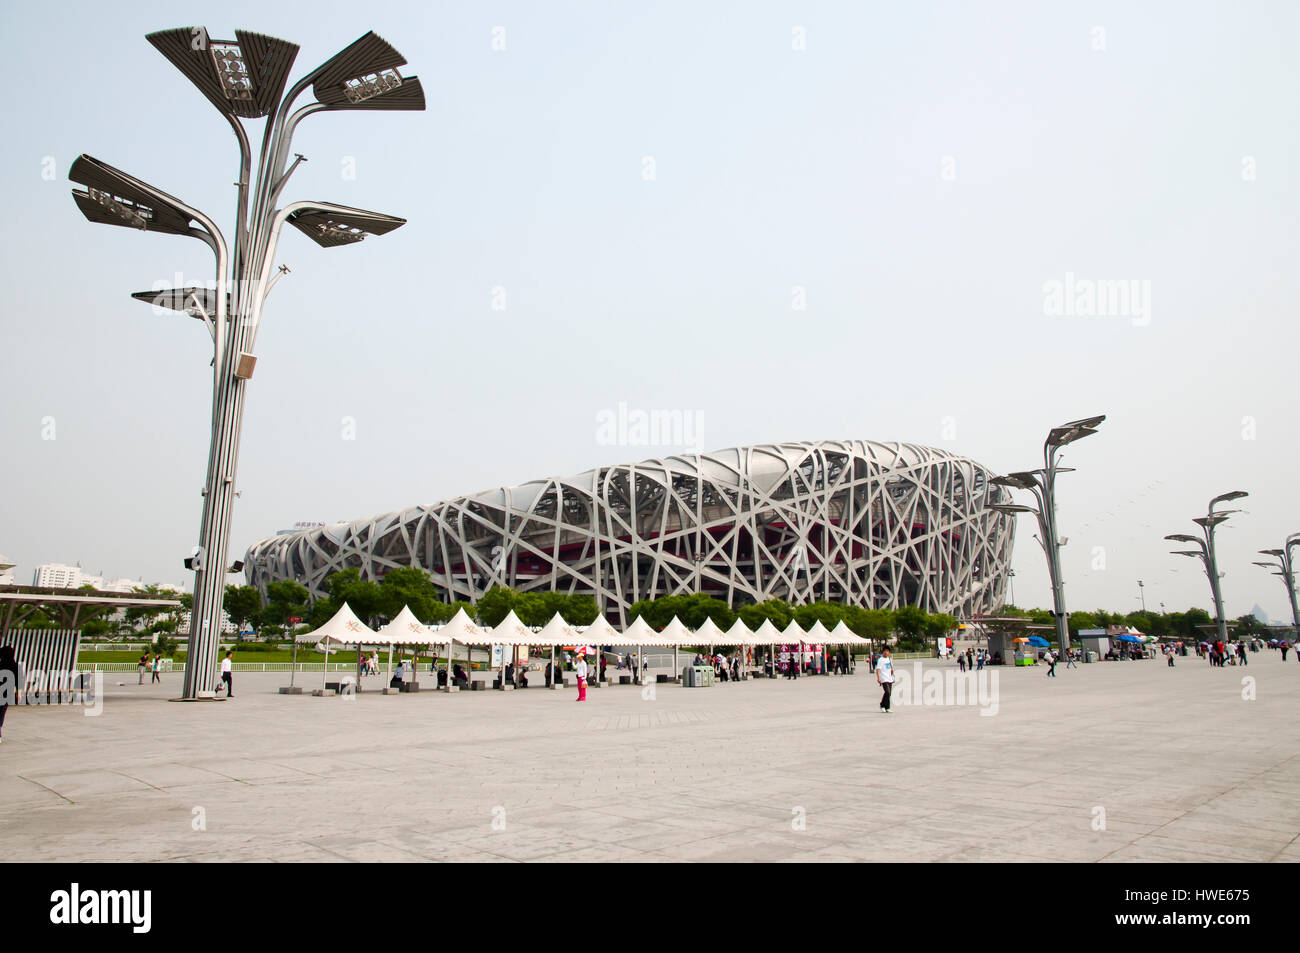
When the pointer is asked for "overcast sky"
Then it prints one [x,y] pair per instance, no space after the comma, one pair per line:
[788,221]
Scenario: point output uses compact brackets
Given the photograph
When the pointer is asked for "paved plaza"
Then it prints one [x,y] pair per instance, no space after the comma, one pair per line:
[1119,761]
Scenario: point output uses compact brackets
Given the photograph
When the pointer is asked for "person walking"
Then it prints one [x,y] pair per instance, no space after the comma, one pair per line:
[141,666]
[885,677]
[10,682]
[1050,658]
[1241,654]
[961,661]
[580,669]
[1070,660]
[225,675]
[157,665]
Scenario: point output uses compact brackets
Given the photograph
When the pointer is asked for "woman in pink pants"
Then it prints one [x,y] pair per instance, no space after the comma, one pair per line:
[581,671]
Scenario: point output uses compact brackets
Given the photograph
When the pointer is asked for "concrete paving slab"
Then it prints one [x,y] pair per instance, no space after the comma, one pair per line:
[1181,767]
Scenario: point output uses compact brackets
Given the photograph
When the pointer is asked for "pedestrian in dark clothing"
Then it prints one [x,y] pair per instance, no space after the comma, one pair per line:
[10,683]
[885,678]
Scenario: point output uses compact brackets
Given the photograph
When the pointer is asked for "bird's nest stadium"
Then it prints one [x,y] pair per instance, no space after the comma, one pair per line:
[880,525]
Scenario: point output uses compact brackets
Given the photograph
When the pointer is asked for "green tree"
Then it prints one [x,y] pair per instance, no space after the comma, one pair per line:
[145,614]
[285,600]
[777,610]
[1082,620]
[829,614]
[1189,622]
[95,629]
[364,597]
[937,625]
[495,604]
[409,586]
[1248,625]
[580,609]
[909,622]
[243,604]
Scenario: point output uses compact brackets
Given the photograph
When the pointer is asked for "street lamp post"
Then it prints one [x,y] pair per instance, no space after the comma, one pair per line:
[1042,485]
[1205,552]
[1285,567]
[244,79]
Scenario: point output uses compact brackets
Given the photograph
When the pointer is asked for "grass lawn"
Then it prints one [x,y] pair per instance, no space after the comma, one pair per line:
[305,654]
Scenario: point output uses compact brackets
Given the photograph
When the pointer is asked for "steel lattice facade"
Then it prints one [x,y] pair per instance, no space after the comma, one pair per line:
[880,525]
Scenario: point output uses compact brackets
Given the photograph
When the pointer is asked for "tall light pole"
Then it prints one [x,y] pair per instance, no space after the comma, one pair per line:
[1142,594]
[1042,485]
[1205,551]
[1285,567]
[244,79]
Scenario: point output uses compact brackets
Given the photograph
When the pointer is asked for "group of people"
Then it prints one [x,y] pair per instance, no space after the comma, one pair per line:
[151,664]
[972,660]
[1233,653]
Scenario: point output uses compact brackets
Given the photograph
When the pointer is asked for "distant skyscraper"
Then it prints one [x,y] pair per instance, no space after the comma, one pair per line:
[1260,614]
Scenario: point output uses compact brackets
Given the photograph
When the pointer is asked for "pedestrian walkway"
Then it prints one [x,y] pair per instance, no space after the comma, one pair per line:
[1123,761]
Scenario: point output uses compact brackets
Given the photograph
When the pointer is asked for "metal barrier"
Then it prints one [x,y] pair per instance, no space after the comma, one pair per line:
[169,668]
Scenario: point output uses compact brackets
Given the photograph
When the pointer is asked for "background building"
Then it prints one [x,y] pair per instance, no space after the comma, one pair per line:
[59,576]
[872,524]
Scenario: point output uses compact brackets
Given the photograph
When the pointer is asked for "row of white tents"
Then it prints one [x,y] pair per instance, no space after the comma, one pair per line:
[346,630]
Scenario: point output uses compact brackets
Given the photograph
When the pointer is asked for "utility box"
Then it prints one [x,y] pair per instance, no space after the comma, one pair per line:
[697,676]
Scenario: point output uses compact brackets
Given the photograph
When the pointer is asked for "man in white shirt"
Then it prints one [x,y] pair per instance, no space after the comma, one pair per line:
[885,677]
[225,676]
[580,669]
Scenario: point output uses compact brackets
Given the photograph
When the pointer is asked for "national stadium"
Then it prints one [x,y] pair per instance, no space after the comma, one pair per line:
[878,525]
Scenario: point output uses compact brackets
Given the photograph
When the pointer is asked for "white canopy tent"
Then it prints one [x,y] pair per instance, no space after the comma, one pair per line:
[511,628]
[640,634]
[599,633]
[556,632]
[675,634]
[818,634]
[768,634]
[464,630]
[342,630]
[794,636]
[403,629]
[709,633]
[739,634]
[843,635]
